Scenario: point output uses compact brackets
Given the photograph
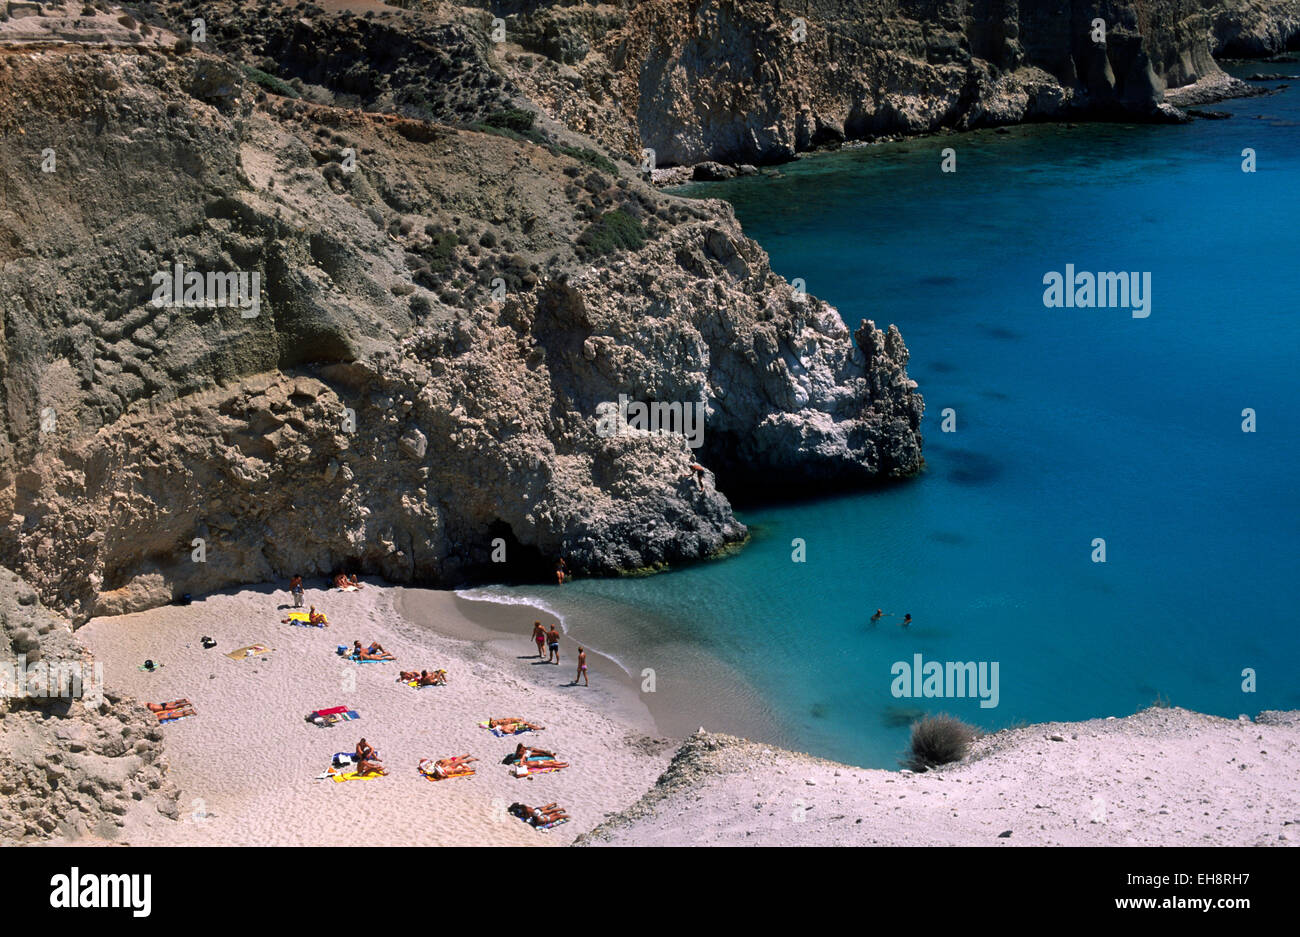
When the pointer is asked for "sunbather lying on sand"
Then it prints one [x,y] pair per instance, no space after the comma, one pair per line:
[448,767]
[523,753]
[512,725]
[374,652]
[370,767]
[164,707]
[424,677]
[539,816]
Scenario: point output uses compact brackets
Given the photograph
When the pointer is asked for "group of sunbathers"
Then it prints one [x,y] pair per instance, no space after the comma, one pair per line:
[374,652]
[347,584]
[176,709]
[424,677]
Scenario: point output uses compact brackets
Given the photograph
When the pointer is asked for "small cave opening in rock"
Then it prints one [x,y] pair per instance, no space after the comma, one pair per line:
[499,558]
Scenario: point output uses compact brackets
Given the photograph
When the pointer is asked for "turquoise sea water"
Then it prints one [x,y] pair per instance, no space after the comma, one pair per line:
[1072,424]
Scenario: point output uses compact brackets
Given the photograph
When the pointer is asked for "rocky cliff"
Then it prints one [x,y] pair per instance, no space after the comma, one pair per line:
[755,81]
[75,759]
[441,312]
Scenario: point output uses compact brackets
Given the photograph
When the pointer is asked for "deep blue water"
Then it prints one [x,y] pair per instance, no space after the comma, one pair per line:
[1072,424]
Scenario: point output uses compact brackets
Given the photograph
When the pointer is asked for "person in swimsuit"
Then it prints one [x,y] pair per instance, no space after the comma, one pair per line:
[560,571]
[876,617]
[366,753]
[539,635]
[582,668]
[314,617]
[295,589]
[553,637]
[353,582]
[437,678]
[523,753]
[907,620]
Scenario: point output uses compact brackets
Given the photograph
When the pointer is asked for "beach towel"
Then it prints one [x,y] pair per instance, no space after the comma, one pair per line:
[330,712]
[175,715]
[353,776]
[253,650]
[499,733]
[150,669]
[542,826]
[333,718]
[303,620]
[347,588]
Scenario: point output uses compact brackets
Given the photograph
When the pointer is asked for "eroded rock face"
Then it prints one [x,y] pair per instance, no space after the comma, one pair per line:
[74,758]
[727,80]
[438,325]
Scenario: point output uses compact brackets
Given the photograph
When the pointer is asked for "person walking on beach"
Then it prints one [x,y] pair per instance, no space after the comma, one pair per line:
[539,635]
[582,668]
[295,589]
[553,638]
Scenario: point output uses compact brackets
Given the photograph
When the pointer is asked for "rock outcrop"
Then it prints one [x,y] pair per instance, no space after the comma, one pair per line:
[740,81]
[75,758]
[440,314]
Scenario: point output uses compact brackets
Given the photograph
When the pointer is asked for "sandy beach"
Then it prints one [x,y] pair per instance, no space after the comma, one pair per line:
[247,763]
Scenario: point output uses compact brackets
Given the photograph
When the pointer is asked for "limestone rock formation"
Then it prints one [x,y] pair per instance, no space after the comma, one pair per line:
[74,758]
[440,314]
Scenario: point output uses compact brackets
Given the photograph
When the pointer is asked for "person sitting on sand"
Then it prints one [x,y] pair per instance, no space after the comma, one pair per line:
[340,581]
[436,678]
[369,767]
[374,652]
[365,752]
[353,582]
[315,618]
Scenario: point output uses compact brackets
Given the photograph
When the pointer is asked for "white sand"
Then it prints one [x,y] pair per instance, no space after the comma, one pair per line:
[1164,777]
[246,764]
